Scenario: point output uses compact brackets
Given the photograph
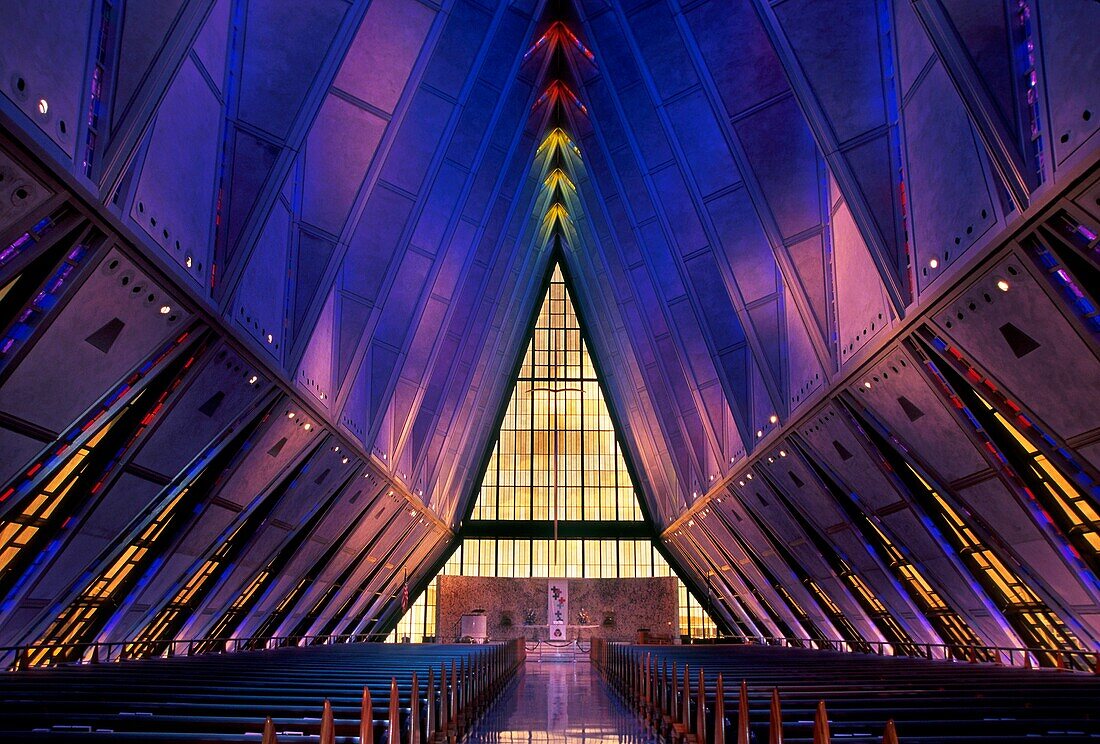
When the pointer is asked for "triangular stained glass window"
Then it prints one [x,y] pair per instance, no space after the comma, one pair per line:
[557,453]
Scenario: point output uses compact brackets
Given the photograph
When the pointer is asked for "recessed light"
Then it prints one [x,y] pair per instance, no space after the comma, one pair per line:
[867,385]
[290,415]
[307,427]
[43,106]
[1002,285]
[933,263]
[165,309]
[774,419]
[252,379]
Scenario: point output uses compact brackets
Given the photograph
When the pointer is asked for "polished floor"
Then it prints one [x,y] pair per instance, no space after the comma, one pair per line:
[559,702]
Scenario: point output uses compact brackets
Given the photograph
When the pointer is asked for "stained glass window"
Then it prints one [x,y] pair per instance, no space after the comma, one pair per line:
[557,454]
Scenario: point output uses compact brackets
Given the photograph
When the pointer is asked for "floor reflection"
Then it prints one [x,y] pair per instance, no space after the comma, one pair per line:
[559,702]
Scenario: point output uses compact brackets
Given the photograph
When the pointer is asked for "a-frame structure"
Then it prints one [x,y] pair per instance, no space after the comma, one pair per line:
[557,497]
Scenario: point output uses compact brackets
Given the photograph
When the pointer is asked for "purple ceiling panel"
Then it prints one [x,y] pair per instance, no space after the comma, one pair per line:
[791,176]
[808,257]
[843,65]
[309,267]
[615,55]
[439,208]
[399,312]
[457,49]
[633,185]
[424,342]
[983,28]
[738,54]
[338,150]
[284,46]
[146,27]
[744,245]
[661,261]
[666,58]
[723,325]
[174,199]
[679,208]
[1069,68]
[315,367]
[695,351]
[380,59]
[352,321]
[770,330]
[45,46]
[862,309]
[950,210]
[252,161]
[260,305]
[212,42]
[804,371]
[913,47]
[416,141]
[472,125]
[645,126]
[374,243]
[705,149]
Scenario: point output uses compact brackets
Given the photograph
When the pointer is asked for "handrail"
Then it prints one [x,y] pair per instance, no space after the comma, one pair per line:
[1068,658]
[24,656]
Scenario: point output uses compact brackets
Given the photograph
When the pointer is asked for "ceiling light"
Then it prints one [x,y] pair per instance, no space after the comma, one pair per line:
[867,385]
[782,453]
[774,419]
[165,309]
[290,415]
[759,433]
[1002,285]
[307,427]
[270,338]
[933,263]
[344,460]
[43,106]
[252,379]
[748,475]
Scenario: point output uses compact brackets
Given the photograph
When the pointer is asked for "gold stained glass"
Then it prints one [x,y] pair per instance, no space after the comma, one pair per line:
[556,455]
[598,559]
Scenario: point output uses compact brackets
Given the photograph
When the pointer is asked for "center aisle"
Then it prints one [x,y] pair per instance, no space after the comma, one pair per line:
[559,702]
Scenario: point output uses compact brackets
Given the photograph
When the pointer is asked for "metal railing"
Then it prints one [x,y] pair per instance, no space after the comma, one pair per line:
[1070,659]
[35,655]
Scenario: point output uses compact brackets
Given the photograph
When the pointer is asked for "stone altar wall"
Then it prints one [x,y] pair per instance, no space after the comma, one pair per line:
[629,603]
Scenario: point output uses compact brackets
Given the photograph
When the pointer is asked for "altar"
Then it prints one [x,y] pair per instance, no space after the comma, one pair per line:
[561,632]
[557,609]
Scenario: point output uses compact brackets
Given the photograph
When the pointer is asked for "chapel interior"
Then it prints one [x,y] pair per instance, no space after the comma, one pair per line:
[549,371]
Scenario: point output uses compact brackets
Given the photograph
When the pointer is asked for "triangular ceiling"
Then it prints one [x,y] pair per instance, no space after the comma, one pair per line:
[746,197]
[735,227]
